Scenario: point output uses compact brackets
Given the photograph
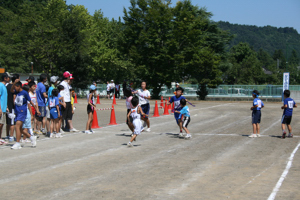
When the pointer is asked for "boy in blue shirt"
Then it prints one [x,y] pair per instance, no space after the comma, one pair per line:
[184,115]
[41,95]
[288,106]
[176,99]
[256,114]
[22,97]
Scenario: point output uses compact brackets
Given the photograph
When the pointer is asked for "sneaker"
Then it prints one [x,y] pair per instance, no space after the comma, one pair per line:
[26,141]
[33,141]
[58,135]
[73,130]
[180,134]
[51,135]
[62,131]
[258,135]
[43,131]
[144,124]
[252,136]
[16,146]
[88,132]
[129,144]
[92,131]
[11,139]
[188,136]
[148,130]
[283,135]
[290,135]
[48,134]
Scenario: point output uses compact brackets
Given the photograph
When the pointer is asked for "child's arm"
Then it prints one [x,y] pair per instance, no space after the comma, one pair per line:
[63,102]
[284,107]
[36,107]
[57,108]
[141,112]
[253,107]
[29,108]
[90,99]
[129,116]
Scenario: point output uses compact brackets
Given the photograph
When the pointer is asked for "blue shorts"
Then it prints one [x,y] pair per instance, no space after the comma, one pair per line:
[27,122]
[146,109]
[21,116]
[177,117]
[256,116]
[53,113]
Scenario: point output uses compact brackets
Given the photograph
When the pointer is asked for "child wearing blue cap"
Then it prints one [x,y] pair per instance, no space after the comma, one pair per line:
[90,109]
[256,114]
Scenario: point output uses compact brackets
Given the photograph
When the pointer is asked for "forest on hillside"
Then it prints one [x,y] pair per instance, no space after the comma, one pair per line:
[155,41]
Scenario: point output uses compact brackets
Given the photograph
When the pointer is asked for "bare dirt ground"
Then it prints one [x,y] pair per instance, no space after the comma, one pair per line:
[219,162]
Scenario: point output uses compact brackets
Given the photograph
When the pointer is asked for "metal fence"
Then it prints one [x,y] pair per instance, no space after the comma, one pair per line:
[272,91]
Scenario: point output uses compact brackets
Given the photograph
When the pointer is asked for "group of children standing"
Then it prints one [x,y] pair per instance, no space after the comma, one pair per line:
[287,107]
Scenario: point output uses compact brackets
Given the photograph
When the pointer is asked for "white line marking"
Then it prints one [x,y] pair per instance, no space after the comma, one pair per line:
[284,174]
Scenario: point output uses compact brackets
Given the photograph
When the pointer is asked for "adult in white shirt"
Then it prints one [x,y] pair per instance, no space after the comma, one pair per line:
[68,110]
[144,96]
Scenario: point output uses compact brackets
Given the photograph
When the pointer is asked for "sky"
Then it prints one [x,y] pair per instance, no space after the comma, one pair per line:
[278,13]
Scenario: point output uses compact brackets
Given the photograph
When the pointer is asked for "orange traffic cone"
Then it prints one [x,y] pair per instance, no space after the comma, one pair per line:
[113,117]
[170,106]
[173,108]
[114,101]
[156,113]
[166,111]
[95,120]
[75,99]
[98,99]
[162,102]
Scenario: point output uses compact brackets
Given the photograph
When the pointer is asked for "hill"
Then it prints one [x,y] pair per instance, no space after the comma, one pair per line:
[268,38]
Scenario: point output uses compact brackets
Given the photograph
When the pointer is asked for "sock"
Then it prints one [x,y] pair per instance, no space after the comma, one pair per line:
[283,130]
[30,131]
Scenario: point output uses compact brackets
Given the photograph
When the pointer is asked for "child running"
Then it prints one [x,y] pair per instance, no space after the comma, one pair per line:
[256,114]
[90,109]
[176,99]
[22,97]
[128,94]
[185,112]
[54,112]
[135,113]
[288,106]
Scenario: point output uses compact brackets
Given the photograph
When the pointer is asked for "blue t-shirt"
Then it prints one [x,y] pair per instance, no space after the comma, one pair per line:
[53,102]
[59,100]
[185,111]
[40,90]
[290,105]
[258,102]
[21,102]
[176,102]
[3,97]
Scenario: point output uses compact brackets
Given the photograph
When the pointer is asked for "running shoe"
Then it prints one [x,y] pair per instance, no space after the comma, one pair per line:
[180,134]
[148,130]
[48,134]
[252,136]
[33,141]
[129,144]
[290,135]
[283,135]
[43,131]
[62,131]
[73,130]
[51,135]
[11,139]
[16,146]
[58,135]
[258,135]
[88,132]
[92,131]
[188,136]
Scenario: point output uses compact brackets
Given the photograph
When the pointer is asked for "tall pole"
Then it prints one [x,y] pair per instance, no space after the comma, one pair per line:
[31,67]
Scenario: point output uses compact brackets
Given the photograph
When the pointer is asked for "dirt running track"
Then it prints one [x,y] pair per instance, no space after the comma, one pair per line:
[219,162]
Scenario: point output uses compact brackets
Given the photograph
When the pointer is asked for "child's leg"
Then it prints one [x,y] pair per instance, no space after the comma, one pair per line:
[92,119]
[52,126]
[57,127]
[26,134]
[283,127]
[179,123]
[48,125]
[254,128]
[19,125]
[88,123]
[290,128]
[133,137]
[186,130]
[258,128]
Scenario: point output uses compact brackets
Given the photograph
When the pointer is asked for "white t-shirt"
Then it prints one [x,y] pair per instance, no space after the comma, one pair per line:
[112,86]
[33,97]
[66,92]
[108,87]
[143,94]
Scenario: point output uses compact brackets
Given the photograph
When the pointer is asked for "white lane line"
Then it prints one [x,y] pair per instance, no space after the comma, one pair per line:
[284,174]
